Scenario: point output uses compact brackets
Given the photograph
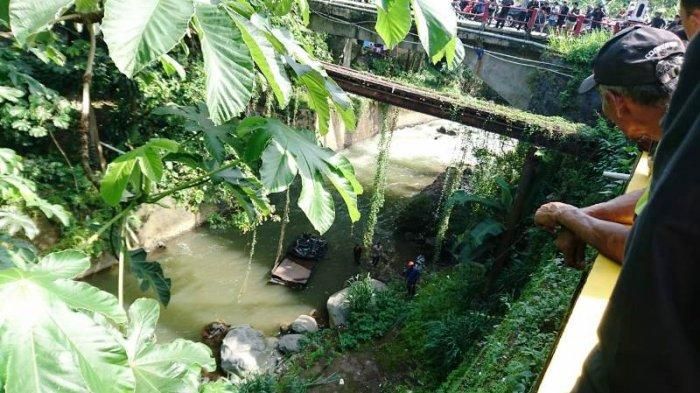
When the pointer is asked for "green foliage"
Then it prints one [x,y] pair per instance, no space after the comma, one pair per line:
[150,275]
[141,168]
[28,109]
[162,368]
[436,23]
[18,196]
[69,341]
[515,352]
[286,153]
[372,313]
[388,123]
[579,50]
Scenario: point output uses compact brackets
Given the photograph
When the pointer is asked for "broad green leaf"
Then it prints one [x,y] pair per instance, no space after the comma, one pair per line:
[52,348]
[319,86]
[116,178]
[28,17]
[279,7]
[13,222]
[5,12]
[393,21]
[317,93]
[10,94]
[86,6]
[150,275]
[227,62]
[173,367]
[313,163]
[197,120]
[143,317]
[80,295]
[15,252]
[146,160]
[436,23]
[172,67]
[249,193]
[304,11]
[279,167]
[138,32]
[64,264]
[266,58]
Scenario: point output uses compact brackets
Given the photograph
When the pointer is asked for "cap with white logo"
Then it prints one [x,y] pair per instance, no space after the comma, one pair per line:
[631,56]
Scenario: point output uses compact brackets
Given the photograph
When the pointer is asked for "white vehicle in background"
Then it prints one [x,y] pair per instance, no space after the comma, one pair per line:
[637,11]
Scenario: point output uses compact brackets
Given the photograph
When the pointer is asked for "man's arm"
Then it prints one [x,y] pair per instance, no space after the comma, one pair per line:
[607,237]
[619,210]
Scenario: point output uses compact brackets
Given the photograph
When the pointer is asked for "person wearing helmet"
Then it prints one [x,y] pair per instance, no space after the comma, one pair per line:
[412,276]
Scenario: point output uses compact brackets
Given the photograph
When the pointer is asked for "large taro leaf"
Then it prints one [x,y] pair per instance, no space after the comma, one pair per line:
[26,190]
[150,275]
[322,91]
[14,222]
[267,59]
[173,367]
[248,191]
[15,252]
[146,160]
[393,21]
[227,62]
[138,32]
[197,120]
[436,23]
[287,152]
[28,17]
[50,341]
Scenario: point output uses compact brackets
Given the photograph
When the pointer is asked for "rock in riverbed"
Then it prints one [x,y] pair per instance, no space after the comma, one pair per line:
[304,324]
[291,343]
[246,351]
[339,306]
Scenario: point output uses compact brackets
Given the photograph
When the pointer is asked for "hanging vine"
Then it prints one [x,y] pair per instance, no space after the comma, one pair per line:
[453,179]
[253,242]
[388,116]
[283,227]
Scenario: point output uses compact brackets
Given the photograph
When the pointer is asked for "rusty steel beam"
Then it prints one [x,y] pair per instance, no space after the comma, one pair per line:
[430,103]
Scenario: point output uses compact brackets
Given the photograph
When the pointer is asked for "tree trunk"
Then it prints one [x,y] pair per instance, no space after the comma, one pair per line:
[86,108]
[527,178]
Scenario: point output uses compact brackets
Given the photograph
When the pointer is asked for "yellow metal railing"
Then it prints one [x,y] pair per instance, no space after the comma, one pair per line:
[579,335]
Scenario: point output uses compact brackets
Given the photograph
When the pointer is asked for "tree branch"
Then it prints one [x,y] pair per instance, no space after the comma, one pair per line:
[86,108]
[65,157]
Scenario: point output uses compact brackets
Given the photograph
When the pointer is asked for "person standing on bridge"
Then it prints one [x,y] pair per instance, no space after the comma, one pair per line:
[649,337]
[636,72]
[563,12]
[572,18]
[597,15]
[503,14]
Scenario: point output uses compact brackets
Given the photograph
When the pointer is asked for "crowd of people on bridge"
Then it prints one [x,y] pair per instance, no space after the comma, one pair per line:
[561,16]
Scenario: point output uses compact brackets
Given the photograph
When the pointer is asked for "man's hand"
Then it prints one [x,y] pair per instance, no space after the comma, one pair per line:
[573,248]
[546,215]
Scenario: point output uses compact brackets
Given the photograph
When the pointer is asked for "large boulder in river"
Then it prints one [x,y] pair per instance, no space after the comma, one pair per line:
[291,343]
[304,324]
[339,306]
[246,351]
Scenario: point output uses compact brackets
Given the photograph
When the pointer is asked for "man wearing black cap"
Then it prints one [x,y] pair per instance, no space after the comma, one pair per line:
[650,334]
[635,72]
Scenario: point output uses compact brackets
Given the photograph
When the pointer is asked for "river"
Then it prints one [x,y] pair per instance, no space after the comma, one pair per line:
[208,267]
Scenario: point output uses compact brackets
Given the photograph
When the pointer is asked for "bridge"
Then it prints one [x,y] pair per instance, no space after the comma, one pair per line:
[505,59]
[549,132]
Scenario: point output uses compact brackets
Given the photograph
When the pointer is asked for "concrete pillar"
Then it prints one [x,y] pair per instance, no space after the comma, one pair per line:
[347,52]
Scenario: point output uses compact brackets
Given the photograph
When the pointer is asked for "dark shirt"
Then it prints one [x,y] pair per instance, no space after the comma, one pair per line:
[658,22]
[563,12]
[650,334]
[412,275]
[573,15]
[598,15]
